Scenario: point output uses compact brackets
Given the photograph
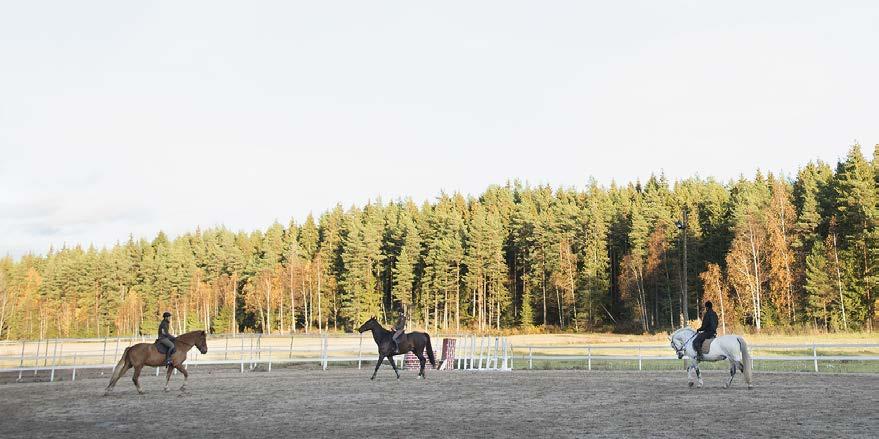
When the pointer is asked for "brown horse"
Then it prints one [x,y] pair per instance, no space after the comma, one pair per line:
[146,354]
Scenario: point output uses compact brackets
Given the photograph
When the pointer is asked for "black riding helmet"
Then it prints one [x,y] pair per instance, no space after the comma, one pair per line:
[709,305]
[166,314]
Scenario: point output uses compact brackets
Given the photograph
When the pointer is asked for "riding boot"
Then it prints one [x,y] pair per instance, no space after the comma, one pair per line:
[168,357]
[396,346]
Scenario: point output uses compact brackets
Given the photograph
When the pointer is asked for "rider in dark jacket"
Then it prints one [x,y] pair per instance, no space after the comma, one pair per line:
[399,328]
[165,337]
[707,330]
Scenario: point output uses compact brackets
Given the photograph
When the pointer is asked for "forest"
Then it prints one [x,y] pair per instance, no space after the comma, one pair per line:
[770,251]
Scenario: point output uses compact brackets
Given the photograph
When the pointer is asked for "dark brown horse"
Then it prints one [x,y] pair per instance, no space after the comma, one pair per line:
[414,342]
[146,354]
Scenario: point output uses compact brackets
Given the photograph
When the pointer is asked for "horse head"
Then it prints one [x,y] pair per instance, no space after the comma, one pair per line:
[368,325]
[679,339]
[201,342]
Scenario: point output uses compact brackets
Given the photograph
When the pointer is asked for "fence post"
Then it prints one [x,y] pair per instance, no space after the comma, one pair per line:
[290,352]
[639,357]
[226,351]
[250,357]
[815,355]
[73,378]
[21,361]
[589,358]
[116,352]
[270,358]
[360,352]
[54,359]
[241,354]
[530,358]
[104,354]
[37,357]
[327,351]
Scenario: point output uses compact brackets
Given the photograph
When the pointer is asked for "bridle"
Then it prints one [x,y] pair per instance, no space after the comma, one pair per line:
[680,351]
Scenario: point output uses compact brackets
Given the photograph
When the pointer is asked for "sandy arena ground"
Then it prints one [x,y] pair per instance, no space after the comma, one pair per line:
[345,403]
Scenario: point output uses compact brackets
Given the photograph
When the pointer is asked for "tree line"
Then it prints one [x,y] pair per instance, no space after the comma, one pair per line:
[770,251]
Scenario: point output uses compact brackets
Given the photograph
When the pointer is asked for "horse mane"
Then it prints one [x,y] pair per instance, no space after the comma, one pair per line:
[378,326]
[685,328]
[191,334]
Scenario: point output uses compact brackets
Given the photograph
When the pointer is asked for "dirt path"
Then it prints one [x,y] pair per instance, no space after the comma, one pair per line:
[344,403]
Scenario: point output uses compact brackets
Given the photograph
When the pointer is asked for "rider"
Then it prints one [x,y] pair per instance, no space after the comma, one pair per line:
[165,337]
[399,328]
[707,330]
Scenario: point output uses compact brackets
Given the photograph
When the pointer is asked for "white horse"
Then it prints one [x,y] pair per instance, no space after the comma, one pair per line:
[725,347]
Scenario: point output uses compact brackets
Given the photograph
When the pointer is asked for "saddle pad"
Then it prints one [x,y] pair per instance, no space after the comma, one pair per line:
[160,347]
[706,345]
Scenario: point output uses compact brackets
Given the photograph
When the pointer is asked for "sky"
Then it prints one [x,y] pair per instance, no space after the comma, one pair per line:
[121,118]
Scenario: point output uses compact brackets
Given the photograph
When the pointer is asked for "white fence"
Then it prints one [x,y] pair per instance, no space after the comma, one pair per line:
[249,352]
[587,353]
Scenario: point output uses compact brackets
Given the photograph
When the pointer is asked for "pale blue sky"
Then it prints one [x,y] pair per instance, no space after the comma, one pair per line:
[120,117]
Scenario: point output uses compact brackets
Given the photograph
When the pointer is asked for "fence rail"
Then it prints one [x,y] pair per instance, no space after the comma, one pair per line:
[586,353]
[473,353]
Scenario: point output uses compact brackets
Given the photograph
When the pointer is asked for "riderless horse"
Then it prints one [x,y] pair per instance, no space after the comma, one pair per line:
[146,354]
[725,347]
[415,342]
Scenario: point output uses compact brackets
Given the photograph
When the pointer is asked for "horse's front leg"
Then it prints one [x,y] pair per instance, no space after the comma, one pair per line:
[381,357]
[185,375]
[394,365]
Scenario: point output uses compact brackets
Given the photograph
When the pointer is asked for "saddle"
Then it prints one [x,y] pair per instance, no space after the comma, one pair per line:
[706,345]
[160,347]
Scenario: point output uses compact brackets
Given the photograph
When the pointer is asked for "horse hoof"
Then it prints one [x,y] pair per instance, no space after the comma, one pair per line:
[750,387]
[691,384]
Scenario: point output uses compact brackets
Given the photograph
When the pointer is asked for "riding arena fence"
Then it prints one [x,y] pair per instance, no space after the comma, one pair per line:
[54,359]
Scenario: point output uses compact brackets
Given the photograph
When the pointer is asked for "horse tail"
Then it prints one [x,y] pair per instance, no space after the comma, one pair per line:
[121,364]
[746,360]
[430,351]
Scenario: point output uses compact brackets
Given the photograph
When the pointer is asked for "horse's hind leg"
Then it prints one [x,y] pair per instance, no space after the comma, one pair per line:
[116,375]
[381,357]
[422,361]
[136,379]
[732,372]
[698,376]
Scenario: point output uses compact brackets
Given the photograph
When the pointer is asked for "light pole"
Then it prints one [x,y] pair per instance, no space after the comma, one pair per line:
[685,315]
